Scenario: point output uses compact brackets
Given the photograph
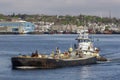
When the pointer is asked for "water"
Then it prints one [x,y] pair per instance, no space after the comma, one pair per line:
[12,45]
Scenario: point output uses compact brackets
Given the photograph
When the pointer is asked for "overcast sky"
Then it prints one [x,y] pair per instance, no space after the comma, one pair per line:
[62,7]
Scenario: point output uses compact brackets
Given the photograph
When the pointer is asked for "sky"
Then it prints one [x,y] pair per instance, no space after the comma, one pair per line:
[103,8]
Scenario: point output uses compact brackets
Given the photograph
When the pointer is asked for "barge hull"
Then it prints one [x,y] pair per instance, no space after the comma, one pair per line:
[46,63]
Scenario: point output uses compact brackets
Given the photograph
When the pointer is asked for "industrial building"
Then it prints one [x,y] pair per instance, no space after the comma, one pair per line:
[17,27]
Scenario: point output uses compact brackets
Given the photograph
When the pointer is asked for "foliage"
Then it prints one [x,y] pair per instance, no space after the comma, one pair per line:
[67,19]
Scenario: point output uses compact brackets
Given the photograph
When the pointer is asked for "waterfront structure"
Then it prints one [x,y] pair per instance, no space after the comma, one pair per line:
[16,27]
[43,26]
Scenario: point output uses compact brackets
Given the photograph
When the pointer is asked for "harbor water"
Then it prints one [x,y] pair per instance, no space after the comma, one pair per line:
[13,45]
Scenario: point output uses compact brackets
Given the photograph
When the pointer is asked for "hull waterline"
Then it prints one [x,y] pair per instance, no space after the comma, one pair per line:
[45,63]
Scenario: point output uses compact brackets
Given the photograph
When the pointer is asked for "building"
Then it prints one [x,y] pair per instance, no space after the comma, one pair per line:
[17,27]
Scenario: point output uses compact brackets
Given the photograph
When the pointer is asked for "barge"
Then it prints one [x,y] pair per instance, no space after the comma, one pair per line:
[83,53]
[49,63]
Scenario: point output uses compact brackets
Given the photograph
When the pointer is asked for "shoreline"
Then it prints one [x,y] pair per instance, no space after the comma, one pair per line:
[16,33]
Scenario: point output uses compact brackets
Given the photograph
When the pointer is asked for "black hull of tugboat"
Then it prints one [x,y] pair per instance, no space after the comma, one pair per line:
[101,58]
[45,63]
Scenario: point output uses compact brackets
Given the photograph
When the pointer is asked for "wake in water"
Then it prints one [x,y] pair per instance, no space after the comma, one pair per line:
[113,56]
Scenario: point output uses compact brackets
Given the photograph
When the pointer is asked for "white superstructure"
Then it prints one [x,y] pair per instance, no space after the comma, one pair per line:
[85,45]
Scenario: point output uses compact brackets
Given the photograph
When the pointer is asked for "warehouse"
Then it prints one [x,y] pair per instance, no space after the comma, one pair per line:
[16,27]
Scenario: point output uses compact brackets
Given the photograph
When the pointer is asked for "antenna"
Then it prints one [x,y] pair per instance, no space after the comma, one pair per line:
[110,14]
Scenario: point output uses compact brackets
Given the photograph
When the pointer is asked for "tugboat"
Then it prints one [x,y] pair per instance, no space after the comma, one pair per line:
[83,53]
[85,45]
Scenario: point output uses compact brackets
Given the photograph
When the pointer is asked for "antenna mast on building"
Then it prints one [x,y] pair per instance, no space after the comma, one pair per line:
[110,14]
